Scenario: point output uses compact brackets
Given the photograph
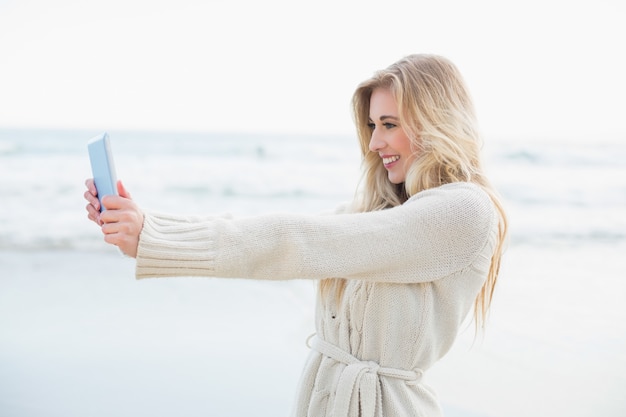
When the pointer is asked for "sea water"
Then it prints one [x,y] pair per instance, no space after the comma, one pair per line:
[78,336]
[42,175]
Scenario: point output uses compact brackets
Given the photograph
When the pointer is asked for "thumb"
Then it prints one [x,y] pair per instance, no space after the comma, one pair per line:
[122,191]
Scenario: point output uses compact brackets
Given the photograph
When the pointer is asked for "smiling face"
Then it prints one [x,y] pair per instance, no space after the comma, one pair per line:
[388,139]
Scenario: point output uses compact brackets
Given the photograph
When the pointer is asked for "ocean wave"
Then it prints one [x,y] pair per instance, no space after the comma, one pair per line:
[568,238]
[49,243]
[201,191]
[8,147]
[562,155]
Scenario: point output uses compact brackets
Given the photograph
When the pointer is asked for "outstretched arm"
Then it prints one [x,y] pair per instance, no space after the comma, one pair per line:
[437,233]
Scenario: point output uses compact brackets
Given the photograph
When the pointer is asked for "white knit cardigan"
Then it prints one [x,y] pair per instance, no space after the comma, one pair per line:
[412,271]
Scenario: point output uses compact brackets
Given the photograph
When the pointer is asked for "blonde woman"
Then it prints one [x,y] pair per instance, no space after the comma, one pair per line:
[399,270]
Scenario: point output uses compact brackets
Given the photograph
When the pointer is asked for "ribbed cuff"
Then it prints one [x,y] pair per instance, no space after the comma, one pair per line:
[176,246]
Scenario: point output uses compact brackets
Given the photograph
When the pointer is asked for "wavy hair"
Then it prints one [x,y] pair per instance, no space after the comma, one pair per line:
[438,116]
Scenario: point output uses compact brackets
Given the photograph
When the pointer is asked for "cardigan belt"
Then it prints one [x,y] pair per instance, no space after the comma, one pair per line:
[360,378]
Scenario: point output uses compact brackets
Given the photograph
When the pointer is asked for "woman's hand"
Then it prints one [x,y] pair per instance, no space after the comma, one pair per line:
[121,222]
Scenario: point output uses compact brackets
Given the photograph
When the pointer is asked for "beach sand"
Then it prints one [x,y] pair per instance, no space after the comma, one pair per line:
[79,336]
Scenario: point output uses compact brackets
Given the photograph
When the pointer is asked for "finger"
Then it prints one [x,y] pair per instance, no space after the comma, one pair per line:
[110,215]
[114,239]
[93,214]
[95,219]
[116,213]
[91,186]
[114,202]
[122,191]
[125,242]
[92,200]
[110,228]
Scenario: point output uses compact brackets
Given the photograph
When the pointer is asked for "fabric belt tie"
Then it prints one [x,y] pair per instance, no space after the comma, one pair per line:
[360,377]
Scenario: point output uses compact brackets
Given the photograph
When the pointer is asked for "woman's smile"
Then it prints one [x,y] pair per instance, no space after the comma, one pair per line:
[390,161]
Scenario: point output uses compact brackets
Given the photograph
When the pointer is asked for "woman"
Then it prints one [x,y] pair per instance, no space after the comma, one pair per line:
[399,269]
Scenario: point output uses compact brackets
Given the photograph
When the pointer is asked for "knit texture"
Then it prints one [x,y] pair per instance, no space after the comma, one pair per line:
[413,273]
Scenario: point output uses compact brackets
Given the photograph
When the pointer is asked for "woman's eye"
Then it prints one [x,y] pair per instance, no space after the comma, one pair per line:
[371,126]
[389,125]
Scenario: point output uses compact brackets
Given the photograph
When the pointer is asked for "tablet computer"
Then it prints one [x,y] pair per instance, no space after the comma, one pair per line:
[102,166]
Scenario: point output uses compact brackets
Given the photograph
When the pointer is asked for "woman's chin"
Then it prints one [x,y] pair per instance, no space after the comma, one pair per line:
[395,179]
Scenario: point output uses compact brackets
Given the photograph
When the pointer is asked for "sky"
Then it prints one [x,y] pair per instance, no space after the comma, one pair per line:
[536,68]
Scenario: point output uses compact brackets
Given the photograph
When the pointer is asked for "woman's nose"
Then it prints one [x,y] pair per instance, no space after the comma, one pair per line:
[376,142]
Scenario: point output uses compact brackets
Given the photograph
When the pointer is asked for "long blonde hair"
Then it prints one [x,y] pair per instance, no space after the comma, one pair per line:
[437,114]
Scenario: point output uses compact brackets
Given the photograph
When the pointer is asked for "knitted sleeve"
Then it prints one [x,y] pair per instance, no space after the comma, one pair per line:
[436,233]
